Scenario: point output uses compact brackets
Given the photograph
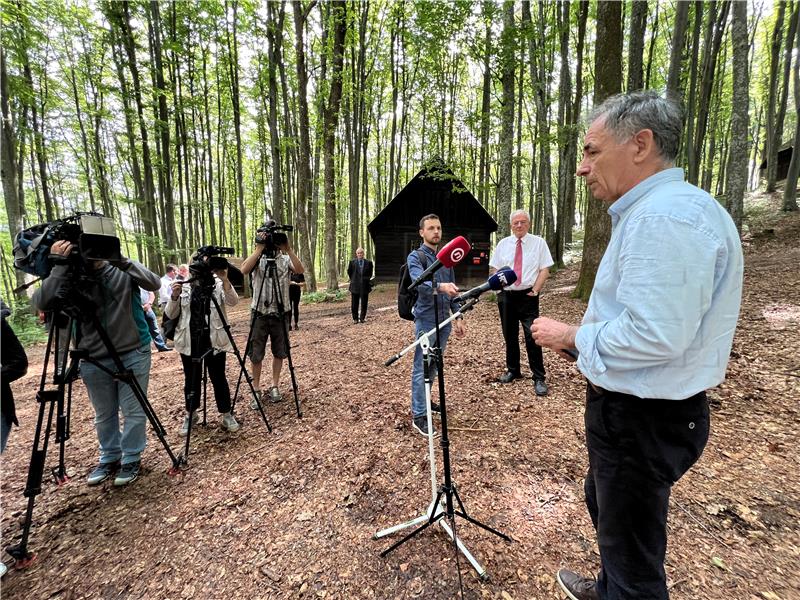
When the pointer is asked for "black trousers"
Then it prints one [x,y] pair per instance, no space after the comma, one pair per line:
[638,448]
[355,299]
[193,381]
[294,302]
[517,307]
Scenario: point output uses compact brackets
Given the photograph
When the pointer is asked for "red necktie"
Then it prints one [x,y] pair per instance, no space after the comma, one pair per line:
[518,261]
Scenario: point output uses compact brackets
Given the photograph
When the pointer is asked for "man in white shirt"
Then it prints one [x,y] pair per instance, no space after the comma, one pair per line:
[166,286]
[530,258]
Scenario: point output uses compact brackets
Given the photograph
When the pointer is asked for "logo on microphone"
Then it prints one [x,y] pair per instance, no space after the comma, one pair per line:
[503,279]
[457,255]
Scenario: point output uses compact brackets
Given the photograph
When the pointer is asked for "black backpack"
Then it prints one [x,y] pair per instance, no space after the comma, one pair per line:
[405,299]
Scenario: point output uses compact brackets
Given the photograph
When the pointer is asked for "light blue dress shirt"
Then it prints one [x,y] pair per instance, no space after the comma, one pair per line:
[666,298]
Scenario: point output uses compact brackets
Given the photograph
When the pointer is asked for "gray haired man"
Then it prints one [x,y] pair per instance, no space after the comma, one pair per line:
[656,334]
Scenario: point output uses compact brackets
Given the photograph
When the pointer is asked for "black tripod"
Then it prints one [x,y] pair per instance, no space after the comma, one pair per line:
[63,376]
[201,348]
[442,505]
[271,273]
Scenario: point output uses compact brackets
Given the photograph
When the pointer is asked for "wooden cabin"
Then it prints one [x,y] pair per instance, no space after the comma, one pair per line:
[435,189]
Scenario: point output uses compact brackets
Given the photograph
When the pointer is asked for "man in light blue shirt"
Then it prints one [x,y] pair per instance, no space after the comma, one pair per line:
[656,334]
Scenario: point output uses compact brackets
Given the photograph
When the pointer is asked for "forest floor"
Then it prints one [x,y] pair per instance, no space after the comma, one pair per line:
[292,514]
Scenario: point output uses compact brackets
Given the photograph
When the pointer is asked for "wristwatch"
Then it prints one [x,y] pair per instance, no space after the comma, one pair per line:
[535,293]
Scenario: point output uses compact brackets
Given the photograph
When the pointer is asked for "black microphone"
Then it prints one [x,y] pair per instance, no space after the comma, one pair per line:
[502,278]
[452,254]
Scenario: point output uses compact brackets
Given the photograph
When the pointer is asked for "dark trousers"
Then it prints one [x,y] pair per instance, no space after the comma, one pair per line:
[294,302]
[638,448]
[193,381]
[354,301]
[515,308]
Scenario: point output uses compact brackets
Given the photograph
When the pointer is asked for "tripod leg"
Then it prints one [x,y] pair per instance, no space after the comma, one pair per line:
[33,485]
[242,367]
[463,514]
[434,516]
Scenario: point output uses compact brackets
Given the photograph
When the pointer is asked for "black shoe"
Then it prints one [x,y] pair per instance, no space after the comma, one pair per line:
[355,321]
[577,587]
[165,349]
[421,425]
[102,472]
[541,387]
[508,377]
[296,326]
[128,473]
[361,321]
[435,408]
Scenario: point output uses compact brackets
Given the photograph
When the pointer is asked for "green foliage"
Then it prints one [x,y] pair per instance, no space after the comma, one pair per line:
[27,328]
[324,296]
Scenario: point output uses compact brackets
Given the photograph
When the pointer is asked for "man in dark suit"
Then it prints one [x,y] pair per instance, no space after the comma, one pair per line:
[360,272]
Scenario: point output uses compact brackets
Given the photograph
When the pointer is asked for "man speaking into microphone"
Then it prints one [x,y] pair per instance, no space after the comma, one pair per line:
[443,283]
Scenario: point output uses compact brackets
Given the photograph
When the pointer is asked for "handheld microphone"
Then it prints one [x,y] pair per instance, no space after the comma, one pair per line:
[499,280]
[452,254]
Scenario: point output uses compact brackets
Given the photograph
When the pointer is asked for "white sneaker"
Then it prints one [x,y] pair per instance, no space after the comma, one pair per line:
[185,427]
[229,422]
[3,569]
[254,402]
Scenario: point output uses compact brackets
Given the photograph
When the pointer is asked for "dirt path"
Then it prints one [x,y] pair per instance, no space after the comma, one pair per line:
[291,514]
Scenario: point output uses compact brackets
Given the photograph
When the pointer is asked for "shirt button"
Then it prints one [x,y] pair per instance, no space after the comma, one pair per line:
[691,424]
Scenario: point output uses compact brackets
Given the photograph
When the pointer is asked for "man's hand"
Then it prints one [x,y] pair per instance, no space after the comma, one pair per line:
[177,288]
[222,274]
[146,307]
[555,335]
[451,289]
[61,248]
[459,328]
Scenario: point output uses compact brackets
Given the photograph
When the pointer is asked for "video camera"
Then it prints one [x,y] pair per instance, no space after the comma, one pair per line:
[271,235]
[207,259]
[93,235]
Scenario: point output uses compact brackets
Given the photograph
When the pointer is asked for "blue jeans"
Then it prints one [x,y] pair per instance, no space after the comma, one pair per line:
[155,332]
[109,397]
[5,429]
[418,406]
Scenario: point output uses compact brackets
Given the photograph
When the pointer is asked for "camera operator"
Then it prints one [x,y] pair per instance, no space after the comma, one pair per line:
[186,308]
[267,322]
[113,291]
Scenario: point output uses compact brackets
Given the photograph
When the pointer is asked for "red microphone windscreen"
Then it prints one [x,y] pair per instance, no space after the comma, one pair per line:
[454,251]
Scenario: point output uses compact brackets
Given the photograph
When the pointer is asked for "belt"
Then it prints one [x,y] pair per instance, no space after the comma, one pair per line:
[525,291]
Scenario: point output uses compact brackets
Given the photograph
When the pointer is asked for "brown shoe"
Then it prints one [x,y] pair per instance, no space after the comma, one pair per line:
[577,587]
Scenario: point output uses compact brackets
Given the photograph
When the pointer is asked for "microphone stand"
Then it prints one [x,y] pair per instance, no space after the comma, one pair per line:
[441,508]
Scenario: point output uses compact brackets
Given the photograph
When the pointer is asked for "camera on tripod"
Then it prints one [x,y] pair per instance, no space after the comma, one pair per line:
[93,235]
[208,259]
[272,236]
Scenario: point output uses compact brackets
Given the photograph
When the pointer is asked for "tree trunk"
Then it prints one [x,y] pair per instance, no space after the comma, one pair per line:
[506,159]
[162,125]
[486,99]
[636,44]
[304,157]
[676,54]
[14,202]
[711,54]
[772,136]
[608,79]
[737,163]
[688,140]
[772,174]
[337,24]
[274,38]
[790,189]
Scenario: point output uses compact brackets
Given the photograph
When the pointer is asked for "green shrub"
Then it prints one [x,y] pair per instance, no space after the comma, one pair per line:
[27,327]
[316,297]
